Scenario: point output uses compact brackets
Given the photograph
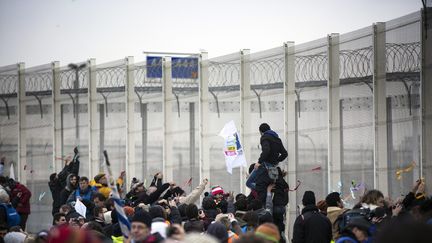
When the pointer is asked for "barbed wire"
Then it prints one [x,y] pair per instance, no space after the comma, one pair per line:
[111,77]
[8,83]
[68,78]
[225,76]
[38,81]
[143,81]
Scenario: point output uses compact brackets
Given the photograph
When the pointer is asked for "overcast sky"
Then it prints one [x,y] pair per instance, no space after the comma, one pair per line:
[40,31]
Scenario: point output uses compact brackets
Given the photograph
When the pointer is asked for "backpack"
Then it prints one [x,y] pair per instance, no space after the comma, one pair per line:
[13,218]
[344,219]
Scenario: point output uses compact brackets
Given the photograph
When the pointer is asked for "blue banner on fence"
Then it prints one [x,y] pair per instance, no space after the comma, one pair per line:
[184,67]
[154,67]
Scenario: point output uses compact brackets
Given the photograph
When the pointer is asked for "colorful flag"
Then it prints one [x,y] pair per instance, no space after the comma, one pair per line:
[233,150]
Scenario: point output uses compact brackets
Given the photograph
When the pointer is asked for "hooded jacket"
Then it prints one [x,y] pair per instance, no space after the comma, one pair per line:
[20,198]
[332,214]
[67,190]
[273,150]
[312,226]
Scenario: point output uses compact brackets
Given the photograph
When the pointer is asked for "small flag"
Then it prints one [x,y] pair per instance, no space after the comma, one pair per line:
[12,172]
[125,225]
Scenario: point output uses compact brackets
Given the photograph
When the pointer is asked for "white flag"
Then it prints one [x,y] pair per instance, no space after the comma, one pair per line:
[80,208]
[233,150]
[12,172]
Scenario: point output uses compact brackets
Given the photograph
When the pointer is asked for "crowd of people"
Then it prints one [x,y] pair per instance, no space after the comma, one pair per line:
[163,212]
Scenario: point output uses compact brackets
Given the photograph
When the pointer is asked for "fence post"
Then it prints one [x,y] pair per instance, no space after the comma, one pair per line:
[56,117]
[290,130]
[426,98]
[130,118]
[93,118]
[334,114]
[168,98]
[204,153]
[245,111]
[22,113]
[380,109]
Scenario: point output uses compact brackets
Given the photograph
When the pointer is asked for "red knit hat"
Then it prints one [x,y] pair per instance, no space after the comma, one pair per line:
[217,190]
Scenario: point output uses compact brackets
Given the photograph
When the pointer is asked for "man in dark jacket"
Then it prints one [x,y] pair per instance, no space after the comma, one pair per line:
[55,188]
[272,153]
[71,167]
[85,194]
[311,225]
[71,185]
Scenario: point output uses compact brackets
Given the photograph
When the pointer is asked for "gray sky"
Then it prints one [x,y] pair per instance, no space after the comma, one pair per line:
[40,31]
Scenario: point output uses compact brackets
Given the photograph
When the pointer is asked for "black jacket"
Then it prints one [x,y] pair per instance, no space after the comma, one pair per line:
[273,150]
[150,199]
[194,225]
[56,189]
[312,227]
[281,190]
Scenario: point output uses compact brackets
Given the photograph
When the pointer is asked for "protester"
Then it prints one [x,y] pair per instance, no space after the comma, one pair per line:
[311,225]
[272,153]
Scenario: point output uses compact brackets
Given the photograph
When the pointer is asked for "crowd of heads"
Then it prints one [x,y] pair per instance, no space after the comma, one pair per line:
[162,211]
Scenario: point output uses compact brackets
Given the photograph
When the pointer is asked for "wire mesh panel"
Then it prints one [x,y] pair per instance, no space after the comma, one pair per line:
[224,106]
[38,128]
[185,129]
[9,119]
[403,53]
[74,116]
[111,109]
[356,101]
[148,123]
[311,80]
[267,74]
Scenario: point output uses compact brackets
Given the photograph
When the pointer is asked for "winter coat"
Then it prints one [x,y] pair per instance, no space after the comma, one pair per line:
[332,214]
[67,190]
[312,226]
[150,199]
[103,189]
[86,198]
[194,225]
[55,188]
[194,195]
[273,150]
[22,202]
[71,168]
[280,195]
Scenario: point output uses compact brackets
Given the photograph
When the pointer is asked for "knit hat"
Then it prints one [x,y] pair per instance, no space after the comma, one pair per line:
[217,190]
[14,237]
[219,231]
[269,232]
[98,177]
[142,217]
[360,223]
[308,198]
